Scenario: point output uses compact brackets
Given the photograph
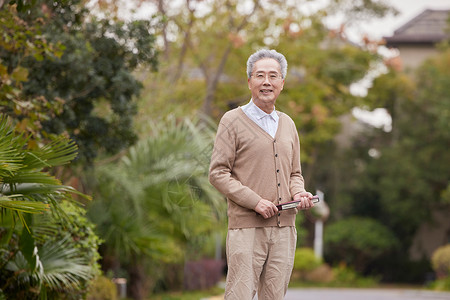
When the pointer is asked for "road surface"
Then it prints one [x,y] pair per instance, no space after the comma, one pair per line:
[364,294]
[358,294]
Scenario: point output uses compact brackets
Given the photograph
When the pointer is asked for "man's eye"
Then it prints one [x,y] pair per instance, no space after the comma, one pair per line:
[273,76]
[259,75]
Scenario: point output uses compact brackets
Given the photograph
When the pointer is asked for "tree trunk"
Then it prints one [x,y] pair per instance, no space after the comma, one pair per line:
[137,287]
[212,84]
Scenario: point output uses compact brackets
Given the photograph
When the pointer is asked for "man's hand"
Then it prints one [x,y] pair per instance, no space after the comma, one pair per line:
[266,208]
[305,200]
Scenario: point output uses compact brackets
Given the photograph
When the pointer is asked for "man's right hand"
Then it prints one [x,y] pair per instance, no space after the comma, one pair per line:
[266,208]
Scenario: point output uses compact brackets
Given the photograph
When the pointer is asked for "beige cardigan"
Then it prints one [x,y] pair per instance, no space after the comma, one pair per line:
[247,164]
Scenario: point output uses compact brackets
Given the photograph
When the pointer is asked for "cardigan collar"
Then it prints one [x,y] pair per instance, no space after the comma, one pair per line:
[258,113]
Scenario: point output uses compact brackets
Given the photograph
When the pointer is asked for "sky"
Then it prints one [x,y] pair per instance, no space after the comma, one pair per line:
[408,9]
[377,29]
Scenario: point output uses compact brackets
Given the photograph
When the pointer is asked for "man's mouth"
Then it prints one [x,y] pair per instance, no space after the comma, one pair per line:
[265,91]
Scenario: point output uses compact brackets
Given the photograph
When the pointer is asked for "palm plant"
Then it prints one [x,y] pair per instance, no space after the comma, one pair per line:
[29,266]
[156,205]
[24,187]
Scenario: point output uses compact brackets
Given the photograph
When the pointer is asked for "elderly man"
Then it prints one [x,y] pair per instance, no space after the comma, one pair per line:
[256,165]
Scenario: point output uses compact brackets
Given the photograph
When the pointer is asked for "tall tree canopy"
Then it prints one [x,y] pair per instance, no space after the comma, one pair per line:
[86,80]
[205,46]
[400,177]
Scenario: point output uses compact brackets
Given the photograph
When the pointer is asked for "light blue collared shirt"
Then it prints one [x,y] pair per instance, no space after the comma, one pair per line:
[268,122]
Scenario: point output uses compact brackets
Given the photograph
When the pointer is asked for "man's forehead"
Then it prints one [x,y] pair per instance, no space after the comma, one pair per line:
[267,65]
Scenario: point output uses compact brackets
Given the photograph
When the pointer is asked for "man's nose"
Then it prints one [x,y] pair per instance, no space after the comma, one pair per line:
[266,80]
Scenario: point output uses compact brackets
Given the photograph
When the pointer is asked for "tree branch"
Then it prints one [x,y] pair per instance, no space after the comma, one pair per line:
[212,84]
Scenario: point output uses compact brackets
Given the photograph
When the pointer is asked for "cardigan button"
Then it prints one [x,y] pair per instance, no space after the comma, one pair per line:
[278,170]
[278,184]
[276,155]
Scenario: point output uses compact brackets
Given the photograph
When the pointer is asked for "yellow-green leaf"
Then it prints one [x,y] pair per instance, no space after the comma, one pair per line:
[20,74]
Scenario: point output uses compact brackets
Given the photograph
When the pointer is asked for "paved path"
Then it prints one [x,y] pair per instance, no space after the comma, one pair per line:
[358,294]
[364,294]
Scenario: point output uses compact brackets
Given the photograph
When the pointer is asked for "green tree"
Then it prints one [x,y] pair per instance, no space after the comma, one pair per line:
[358,241]
[209,45]
[23,39]
[421,136]
[203,66]
[155,207]
[406,176]
[90,83]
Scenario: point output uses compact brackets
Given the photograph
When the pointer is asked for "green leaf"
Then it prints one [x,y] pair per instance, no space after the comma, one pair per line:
[20,74]
[31,177]
[22,206]
[27,246]
[58,152]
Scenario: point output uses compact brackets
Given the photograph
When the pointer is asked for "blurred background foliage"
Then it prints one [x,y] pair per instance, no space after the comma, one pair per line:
[155,207]
[140,97]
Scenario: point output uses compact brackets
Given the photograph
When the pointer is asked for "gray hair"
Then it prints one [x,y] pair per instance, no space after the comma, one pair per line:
[264,53]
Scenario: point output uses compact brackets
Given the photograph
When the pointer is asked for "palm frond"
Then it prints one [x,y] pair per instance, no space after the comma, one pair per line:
[58,152]
[63,267]
[58,267]
[41,191]
[10,145]
[7,202]
[31,177]
[150,201]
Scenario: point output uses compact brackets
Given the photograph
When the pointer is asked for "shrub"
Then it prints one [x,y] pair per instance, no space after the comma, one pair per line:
[358,241]
[441,284]
[305,260]
[102,289]
[347,276]
[202,274]
[79,234]
[440,261]
[323,274]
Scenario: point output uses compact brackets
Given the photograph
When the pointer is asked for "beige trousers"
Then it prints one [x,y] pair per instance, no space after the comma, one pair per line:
[259,259]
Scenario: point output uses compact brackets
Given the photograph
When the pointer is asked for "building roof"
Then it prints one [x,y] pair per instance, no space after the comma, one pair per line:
[429,27]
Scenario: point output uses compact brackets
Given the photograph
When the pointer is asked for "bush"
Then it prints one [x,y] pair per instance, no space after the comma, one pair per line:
[202,274]
[441,284]
[305,260]
[80,235]
[322,274]
[102,289]
[346,276]
[358,241]
[67,257]
[304,263]
[440,261]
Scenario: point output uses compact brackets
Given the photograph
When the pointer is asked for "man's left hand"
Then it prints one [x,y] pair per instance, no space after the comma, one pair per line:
[305,200]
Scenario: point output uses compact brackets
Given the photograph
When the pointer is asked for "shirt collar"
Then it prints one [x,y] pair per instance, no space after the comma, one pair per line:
[259,113]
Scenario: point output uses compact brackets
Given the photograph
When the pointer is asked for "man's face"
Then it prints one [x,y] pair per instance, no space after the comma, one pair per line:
[266,83]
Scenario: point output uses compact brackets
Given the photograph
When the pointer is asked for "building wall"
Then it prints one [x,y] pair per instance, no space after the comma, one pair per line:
[431,235]
[412,56]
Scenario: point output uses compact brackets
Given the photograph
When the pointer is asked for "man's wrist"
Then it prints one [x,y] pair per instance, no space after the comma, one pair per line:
[296,197]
